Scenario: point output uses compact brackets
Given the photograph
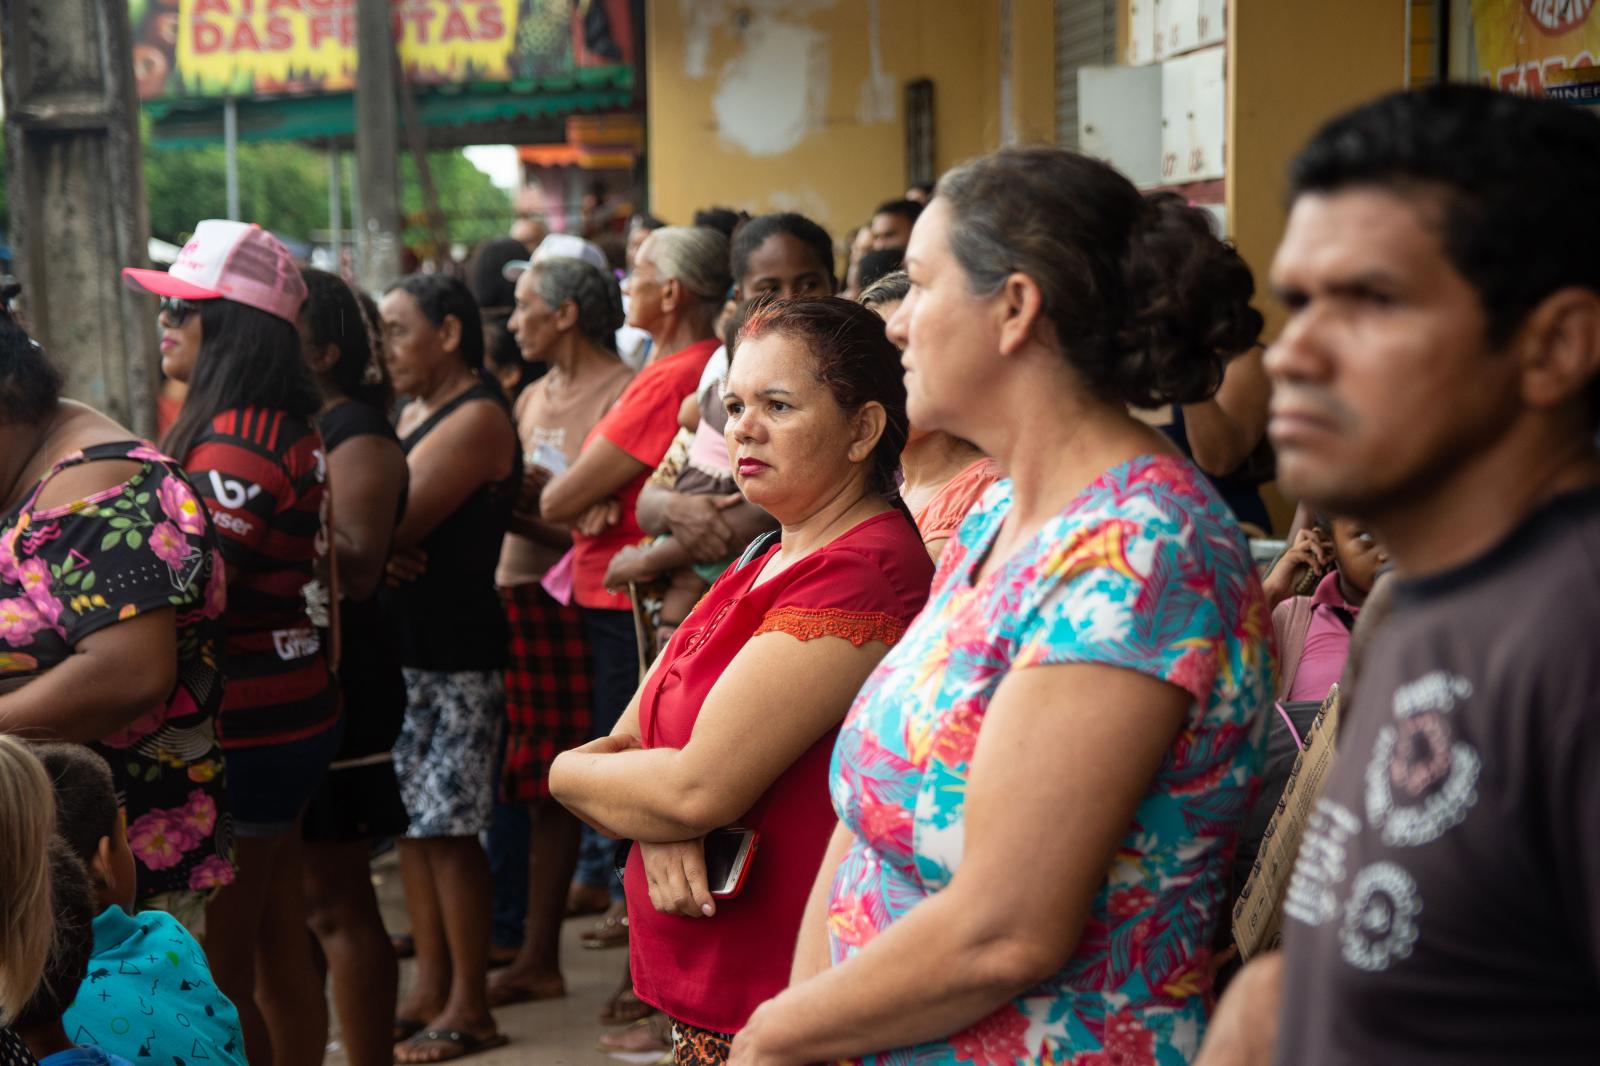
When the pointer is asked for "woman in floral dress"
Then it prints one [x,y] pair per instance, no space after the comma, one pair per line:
[1040,787]
[111,588]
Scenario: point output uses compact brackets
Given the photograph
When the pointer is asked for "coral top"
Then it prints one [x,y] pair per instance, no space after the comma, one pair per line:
[943,514]
[866,585]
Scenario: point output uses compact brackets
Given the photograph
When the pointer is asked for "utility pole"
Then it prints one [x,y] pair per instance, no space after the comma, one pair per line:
[377,147]
[76,182]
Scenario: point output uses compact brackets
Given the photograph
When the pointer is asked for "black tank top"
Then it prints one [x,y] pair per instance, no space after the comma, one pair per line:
[1238,491]
[369,678]
[451,618]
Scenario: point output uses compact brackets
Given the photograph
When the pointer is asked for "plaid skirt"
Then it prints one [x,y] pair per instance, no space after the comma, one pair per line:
[549,690]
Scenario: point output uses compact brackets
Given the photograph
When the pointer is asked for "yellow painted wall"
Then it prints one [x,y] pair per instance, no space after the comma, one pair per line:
[734,119]
[1291,67]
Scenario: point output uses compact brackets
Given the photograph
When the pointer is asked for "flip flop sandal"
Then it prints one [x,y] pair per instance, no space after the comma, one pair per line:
[612,932]
[584,900]
[647,1034]
[462,1043]
[504,995]
[625,1008]
[406,1028]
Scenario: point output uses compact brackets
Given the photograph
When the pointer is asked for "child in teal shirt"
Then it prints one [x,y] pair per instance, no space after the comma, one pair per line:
[148,995]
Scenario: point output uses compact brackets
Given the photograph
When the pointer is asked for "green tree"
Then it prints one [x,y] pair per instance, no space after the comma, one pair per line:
[284,186]
[473,206]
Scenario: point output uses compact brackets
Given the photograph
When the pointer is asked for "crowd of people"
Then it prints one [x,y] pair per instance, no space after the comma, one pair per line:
[879,653]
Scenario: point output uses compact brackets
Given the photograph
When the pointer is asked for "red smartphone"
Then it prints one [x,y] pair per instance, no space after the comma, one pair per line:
[729,854]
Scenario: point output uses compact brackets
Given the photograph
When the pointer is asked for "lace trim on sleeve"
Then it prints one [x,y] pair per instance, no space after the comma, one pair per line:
[858,627]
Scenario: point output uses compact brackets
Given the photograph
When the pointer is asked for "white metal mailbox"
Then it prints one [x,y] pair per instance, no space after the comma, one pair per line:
[1193,116]
[1119,119]
[1144,31]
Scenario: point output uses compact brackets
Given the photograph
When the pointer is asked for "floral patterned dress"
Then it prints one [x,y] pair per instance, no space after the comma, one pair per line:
[1146,570]
[68,572]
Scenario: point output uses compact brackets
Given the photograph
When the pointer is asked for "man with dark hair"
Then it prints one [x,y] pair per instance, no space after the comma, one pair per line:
[1437,380]
[640,226]
[891,224]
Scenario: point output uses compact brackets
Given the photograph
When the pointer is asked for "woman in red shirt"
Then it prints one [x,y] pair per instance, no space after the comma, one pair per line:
[735,722]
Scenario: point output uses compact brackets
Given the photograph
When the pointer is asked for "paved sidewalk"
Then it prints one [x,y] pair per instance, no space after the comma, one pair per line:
[557,1032]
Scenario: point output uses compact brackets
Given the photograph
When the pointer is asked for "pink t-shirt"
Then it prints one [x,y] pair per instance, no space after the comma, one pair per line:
[1327,641]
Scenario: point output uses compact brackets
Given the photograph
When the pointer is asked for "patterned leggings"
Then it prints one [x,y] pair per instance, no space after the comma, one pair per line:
[693,1046]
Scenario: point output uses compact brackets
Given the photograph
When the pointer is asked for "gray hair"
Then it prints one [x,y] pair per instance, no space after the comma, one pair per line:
[891,288]
[592,290]
[696,257]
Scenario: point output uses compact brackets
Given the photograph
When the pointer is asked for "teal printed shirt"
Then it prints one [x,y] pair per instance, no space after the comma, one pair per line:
[149,995]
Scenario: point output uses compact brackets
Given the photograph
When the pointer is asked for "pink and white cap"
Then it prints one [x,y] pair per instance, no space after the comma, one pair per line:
[227,260]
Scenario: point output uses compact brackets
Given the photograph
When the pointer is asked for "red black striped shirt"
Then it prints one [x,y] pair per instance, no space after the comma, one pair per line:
[262,475]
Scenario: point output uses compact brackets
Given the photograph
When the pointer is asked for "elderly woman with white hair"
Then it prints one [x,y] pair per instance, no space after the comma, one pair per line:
[679,283]
[677,289]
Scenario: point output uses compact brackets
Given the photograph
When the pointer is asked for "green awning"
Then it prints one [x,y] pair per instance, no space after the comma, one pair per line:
[330,117]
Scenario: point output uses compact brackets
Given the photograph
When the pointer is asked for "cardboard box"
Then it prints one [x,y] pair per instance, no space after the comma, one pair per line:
[1258,914]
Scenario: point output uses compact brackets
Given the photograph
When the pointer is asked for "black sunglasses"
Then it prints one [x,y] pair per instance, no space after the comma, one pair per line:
[177,311]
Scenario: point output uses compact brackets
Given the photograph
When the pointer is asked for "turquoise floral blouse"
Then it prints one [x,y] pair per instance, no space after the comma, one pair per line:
[1146,570]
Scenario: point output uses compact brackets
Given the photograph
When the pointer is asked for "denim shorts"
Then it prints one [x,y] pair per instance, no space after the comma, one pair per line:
[269,786]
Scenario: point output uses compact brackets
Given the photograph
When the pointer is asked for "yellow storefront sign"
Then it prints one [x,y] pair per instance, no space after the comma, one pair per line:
[1522,44]
[257,46]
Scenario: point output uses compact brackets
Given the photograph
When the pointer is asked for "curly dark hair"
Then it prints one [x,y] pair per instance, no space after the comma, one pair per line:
[1147,303]
[86,798]
[725,220]
[854,358]
[909,210]
[30,385]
